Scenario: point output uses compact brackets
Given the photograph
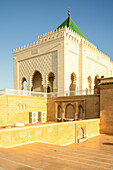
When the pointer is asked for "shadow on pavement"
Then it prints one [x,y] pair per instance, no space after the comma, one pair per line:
[108,144]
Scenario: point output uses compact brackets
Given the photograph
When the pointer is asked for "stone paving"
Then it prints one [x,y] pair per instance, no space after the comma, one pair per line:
[96,153]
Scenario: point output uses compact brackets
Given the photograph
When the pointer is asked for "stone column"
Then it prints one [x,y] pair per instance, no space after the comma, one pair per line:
[76,111]
[63,116]
[63,112]
[45,88]
[80,65]
[56,110]
[83,114]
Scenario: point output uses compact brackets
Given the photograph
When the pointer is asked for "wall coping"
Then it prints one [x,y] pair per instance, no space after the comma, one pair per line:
[52,124]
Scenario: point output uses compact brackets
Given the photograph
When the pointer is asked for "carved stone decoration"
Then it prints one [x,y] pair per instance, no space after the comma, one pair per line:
[43,64]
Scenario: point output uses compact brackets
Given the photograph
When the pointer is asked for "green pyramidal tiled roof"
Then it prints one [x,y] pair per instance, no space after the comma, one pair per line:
[105,83]
[70,23]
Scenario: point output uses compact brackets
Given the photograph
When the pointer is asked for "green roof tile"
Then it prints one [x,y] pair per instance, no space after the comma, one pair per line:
[70,23]
[105,83]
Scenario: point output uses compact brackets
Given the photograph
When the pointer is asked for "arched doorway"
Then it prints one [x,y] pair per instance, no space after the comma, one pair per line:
[24,84]
[80,112]
[48,89]
[70,112]
[95,80]
[81,133]
[59,112]
[37,82]
[89,82]
[51,85]
[73,82]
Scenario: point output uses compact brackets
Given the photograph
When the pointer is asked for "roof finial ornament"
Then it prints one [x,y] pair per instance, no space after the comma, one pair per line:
[68,12]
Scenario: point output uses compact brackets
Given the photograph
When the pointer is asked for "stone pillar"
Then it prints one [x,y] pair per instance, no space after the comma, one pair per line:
[76,111]
[63,116]
[56,110]
[63,112]
[80,66]
[45,88]
[83,114]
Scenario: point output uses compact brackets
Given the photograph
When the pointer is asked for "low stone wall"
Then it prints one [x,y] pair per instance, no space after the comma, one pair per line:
[56,133]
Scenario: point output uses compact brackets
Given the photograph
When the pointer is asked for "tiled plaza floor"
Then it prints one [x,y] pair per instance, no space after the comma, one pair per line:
[96,153]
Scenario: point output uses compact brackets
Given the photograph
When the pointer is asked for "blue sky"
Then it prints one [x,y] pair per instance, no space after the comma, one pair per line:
[22,21]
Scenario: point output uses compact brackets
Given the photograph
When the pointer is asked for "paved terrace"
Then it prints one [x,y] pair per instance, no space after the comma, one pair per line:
[97,154]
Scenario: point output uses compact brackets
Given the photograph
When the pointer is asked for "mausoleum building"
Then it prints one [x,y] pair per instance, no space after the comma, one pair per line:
[60,60]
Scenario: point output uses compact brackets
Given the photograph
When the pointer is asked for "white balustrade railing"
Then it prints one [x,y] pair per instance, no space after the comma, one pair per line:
[43,94]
